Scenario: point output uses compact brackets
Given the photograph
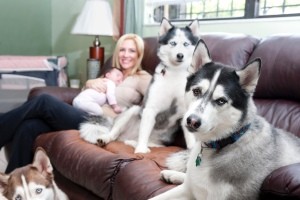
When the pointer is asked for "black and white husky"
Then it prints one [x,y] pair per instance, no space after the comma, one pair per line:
[153,123]
[235,148]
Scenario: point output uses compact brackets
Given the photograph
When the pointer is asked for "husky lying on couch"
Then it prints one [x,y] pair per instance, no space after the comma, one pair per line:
[154,123]
[34,181]
[235,148]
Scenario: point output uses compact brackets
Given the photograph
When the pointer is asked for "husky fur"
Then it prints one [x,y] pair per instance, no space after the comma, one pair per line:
[159,116]
[32,182]
[219,105]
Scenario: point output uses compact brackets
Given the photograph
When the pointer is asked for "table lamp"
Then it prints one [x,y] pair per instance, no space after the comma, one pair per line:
[95,19]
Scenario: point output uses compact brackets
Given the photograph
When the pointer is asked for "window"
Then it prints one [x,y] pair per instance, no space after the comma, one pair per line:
[282,7]
[177,10]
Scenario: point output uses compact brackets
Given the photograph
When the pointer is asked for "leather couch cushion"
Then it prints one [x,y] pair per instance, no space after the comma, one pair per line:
[280,67]
[281,113]
[230,49]
[273,187]
[65,94]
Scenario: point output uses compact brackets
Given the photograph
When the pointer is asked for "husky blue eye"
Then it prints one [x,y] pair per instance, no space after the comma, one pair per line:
[221,101]
[186,44]
[173,43]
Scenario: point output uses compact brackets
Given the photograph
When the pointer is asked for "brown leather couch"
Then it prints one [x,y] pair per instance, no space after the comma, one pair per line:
[86,171]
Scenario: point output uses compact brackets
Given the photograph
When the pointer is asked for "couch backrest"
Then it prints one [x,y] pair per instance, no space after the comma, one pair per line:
[280,67]
[278,92]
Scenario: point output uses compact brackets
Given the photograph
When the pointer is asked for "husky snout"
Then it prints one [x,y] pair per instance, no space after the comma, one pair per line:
[193,122]
[180,57]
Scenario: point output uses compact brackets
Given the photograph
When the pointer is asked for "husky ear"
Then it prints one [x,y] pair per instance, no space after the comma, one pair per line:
[201,56]
[42,162]
[165,26]
[249,75]
[194,26]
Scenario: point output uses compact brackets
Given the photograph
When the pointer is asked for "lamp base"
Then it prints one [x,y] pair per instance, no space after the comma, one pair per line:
[97,53]
[93,68]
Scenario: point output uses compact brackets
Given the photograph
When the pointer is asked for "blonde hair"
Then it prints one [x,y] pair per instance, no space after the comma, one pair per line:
[140,50]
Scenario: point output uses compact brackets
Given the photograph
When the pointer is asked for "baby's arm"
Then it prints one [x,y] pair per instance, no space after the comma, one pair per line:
[111,97]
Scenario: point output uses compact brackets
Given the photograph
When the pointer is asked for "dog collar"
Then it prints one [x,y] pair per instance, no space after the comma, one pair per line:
[219,144]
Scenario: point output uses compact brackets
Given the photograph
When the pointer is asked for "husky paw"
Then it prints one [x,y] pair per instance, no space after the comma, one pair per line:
[90,137]
[103,140]
[171,176]
[92,133]
[142,149]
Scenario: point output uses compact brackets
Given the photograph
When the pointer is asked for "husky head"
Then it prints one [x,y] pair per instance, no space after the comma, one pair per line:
[177,44]
[32,182]
[218,99]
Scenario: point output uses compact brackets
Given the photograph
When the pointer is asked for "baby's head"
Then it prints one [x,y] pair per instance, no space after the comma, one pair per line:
[115,75]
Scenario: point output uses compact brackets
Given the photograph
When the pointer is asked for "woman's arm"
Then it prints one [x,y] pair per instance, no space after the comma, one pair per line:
[98,84]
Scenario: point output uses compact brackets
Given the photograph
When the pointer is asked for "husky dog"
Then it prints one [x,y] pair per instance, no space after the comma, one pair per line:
[162,109]
[33,181]
[235,148]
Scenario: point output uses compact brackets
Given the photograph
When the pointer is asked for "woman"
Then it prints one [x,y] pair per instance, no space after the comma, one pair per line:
[128,57]
[45,113]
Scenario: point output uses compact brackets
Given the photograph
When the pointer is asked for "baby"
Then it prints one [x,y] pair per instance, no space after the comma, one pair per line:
[91,100]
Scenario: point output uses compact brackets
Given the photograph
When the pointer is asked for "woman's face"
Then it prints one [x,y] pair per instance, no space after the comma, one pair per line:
[128,54]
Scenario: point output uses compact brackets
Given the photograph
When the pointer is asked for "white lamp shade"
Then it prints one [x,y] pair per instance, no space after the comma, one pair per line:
[94,19]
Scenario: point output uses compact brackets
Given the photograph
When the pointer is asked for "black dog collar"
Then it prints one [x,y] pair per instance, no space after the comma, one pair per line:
[219,144]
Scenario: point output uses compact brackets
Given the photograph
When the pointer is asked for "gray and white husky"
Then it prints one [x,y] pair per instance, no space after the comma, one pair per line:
[235,148]
[154,123]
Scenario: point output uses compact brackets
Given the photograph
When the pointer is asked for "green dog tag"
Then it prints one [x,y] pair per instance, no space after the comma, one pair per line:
[198,160]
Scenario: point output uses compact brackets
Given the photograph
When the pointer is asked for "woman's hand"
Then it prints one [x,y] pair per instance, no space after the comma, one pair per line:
[97,84]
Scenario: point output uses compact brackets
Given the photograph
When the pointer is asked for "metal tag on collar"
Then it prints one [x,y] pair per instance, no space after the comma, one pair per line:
[198,160]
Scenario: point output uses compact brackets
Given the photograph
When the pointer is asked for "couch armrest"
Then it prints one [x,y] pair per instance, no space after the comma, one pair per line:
[282,183]
[106,171]
[65,94]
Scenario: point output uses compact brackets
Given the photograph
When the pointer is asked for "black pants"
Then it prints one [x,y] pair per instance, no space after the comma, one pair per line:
[39,115]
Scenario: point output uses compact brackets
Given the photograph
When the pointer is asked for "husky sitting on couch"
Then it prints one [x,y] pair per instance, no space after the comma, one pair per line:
[235,148]
[32,182]
[154,123]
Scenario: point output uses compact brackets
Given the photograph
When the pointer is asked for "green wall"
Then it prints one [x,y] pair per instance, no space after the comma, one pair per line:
[42,27]
[25,27]
[76,47]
